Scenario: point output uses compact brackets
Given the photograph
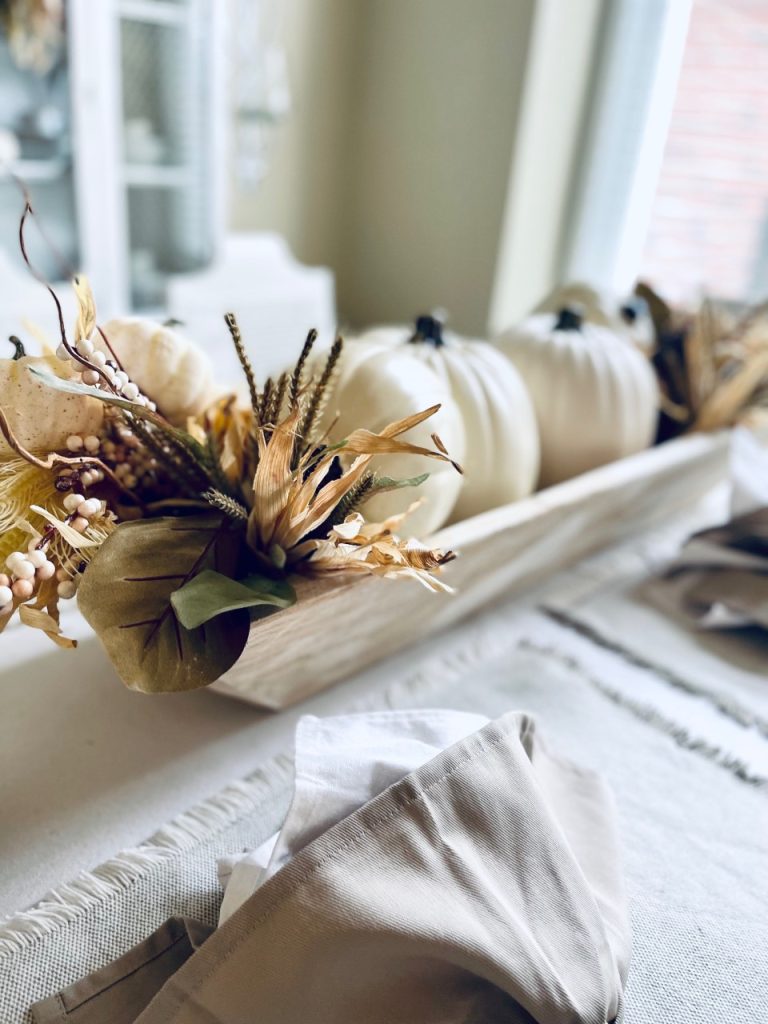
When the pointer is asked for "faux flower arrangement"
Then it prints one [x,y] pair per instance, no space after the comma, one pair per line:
[178,518]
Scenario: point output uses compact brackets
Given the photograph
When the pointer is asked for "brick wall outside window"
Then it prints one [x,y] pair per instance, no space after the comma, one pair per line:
[709,227]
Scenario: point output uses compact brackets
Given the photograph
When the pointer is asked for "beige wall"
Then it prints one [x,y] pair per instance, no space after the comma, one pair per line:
[301,196]
[398,163]
[433,130]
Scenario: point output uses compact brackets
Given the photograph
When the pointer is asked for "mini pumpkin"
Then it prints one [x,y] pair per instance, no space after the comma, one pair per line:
[41,418]
[501,463]
[174,372]
[595,395]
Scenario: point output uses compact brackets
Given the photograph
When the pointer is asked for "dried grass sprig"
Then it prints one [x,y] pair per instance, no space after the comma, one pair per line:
[231,508]
[234,329]
[319,394]
[353,499]
[297,377]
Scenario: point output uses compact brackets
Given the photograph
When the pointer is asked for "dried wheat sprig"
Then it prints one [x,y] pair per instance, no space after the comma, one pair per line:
[297,377]
[276,399]
[231,508]
[177,469]
[353,499]
[234,329]
[318,395]
[266,395]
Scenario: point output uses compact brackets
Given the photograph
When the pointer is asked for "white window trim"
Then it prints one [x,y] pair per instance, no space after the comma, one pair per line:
[635,91]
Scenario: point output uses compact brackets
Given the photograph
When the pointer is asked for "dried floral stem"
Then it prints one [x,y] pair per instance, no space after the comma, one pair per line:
[234,329]
[112,352]
[177,470]
[71,350]
[318,395]
[266,398]
[271,412]
[353,499]
[231,508]
[297,377]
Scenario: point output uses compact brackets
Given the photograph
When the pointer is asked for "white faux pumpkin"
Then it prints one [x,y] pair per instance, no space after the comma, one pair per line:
[168,367]
[629,316]
[596,396]
[41,418]
[501,460]
[375,388]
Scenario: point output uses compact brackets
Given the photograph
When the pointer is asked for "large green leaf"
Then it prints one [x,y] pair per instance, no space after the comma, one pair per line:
[125,595]
[210,594]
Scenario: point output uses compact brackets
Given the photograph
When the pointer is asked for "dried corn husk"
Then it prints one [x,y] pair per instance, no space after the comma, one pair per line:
[712,365]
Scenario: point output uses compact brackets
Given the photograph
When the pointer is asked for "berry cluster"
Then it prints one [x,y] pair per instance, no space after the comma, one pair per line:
[33,566]
[100,368]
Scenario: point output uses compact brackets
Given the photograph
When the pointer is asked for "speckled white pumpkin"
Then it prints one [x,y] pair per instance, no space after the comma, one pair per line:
[169,368]
[42,418]
[595,394]
[501,463]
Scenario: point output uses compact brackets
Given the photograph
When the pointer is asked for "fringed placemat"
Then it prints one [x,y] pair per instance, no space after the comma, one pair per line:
[693,857]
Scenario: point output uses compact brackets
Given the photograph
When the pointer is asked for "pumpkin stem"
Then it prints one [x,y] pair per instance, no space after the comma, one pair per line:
[428,328]
[570,318]
[19,347]
[633,308]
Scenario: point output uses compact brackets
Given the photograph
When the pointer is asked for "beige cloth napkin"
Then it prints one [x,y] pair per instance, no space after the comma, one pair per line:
[483,887]
[720,578]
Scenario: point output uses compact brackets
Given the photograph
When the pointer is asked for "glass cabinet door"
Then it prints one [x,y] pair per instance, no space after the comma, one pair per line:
[167,96]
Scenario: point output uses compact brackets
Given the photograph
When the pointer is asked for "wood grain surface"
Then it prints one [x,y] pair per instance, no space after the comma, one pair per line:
[335,629]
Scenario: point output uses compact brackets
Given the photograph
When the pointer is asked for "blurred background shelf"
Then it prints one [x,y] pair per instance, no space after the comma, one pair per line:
[153,12]
[33,172]
[157,176]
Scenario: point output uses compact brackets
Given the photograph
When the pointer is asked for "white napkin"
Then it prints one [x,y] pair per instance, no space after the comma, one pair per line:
[749,472]
[341,763]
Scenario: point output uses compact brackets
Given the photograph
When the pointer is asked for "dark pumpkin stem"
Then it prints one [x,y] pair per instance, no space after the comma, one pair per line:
[428,329]
[18,346]
[569,319]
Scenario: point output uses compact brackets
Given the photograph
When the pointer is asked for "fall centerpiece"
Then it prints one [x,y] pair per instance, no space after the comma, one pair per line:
[177,515]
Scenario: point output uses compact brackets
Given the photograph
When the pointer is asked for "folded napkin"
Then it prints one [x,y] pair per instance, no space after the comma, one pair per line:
[341,763]
[482,886]
[720,578]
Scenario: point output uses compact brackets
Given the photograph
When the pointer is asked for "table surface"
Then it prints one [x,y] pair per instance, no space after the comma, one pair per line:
[89,768]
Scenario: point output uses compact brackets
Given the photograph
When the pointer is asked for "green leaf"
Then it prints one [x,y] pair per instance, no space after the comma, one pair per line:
[388,483]
[75,387]
[210,594]
[125,595]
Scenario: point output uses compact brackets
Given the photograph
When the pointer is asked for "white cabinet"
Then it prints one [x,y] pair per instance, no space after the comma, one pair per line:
[149,107]
[123,146]
[133,188]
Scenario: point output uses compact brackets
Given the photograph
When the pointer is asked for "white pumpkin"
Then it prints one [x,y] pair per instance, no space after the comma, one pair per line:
[629,316]
[168,367]
[40,417]
[501,462]
[595,394]
[375,388]
[597,306]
